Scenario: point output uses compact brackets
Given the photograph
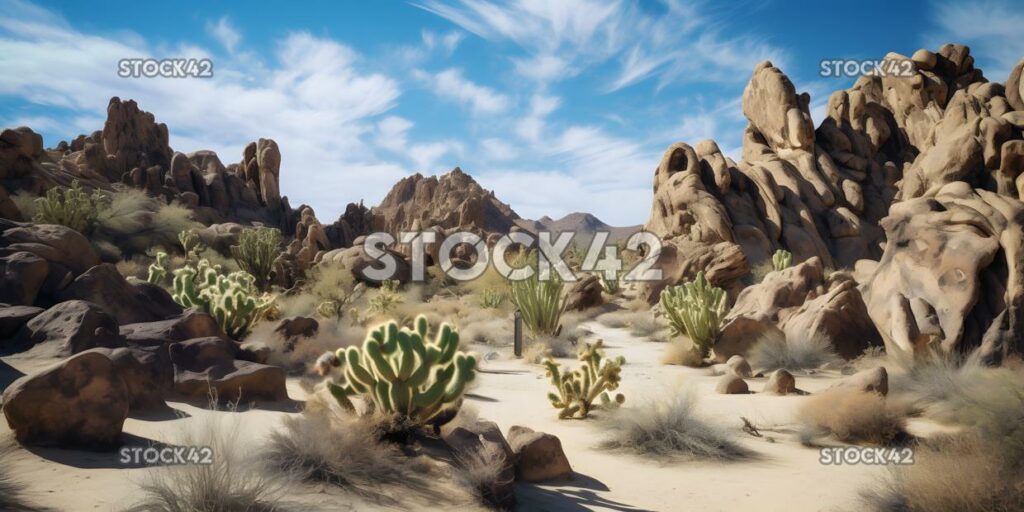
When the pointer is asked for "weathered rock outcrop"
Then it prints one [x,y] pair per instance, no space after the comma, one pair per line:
[454,200]
[795,302]
[69,328]
[206,367]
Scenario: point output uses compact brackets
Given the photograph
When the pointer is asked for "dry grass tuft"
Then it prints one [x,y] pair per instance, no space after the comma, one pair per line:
[641,324]
[233,482]
[851,416]
[12,493]
[482,473]
[669,428]
[681,351]
[808,352]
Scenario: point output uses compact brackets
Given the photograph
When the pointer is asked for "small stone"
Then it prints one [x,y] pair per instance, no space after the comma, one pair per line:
[781,382]
[731,384]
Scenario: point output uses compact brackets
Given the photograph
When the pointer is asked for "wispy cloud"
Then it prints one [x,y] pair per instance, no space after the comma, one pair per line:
[451,85]
[225,33]
[670,40]
[991,28]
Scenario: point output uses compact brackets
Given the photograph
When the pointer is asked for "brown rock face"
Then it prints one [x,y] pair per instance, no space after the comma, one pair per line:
[454,200]
[208,364]
[539,456]
[128,302]
[951,274]
[133,139]
[799,301]
[71,327]
[80,402]
[584,294]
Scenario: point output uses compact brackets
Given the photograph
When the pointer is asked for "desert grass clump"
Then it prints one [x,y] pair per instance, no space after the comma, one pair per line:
[681,351]
[669,428]
[695,309]
[12,492]
[483,473]
[807,351]
[255,253]
[851,416]
[233,481]
[326,445]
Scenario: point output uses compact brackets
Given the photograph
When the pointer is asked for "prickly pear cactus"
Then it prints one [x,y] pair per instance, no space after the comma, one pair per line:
[399,370]
[781,260]
[232,300]
[578,389]
[157,269]
[695,309]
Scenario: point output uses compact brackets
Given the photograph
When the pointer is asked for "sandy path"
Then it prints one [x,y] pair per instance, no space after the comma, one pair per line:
[787,476]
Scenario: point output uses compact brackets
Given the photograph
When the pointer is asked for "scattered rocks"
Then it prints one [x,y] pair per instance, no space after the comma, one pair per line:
[188,325]
[584,294]
[738,366]
[780,382]
[22,275]
[80,402]
[731,384]
[875,379]
[128,302]
[206,365]
[539,456]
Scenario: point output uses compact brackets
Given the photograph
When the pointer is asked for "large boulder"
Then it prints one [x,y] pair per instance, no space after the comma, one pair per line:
[67,251]
[950,276]
[12,318]
[22,275]
[539,456]
[129,303]
[147,381]
[80,402]
[188,325]
[207,366]
[584,294]
[69,328]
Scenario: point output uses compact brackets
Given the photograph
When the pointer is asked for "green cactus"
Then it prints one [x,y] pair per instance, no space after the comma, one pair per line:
[399,372]
[191,244]
[611,286]
[578,389]
[157,269]
[330,308]
[232,300]
[255,253]
[491,298]
[695,309]
[781,260]
[71,206]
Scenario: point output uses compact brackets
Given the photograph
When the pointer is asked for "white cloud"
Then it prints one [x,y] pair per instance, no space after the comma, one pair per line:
[225,33]
[451,85]
[991,28]
[497,150]
[531,126]
[447,42]
[564,38]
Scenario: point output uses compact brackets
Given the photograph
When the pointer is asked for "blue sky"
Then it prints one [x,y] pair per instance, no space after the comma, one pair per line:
[558,105]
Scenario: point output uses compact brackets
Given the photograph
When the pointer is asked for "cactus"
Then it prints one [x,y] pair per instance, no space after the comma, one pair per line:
[578,389]
[540,303]
[491,298]
[695,309]
[399,372]
[157,270]
[781,260]
[386,299]
[611,286]
[71,206]
[330,309]
[190,243]
[232,300]
[255,253]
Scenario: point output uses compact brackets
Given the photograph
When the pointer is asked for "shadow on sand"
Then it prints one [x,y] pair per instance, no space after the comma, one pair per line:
[579,494]
[122,457]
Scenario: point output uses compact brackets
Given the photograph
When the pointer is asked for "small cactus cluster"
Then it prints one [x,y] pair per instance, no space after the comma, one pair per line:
[71,206]
[158,269]
[491,298]
[190,243]
[386,298]
[578,389]
[781,260]
[399,371]
[255,253]
[695,309]
[231,299]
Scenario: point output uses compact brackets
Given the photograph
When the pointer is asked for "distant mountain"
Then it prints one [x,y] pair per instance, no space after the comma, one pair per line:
[583,224]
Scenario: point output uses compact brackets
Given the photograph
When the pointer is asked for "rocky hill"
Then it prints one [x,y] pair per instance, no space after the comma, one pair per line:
[583,224]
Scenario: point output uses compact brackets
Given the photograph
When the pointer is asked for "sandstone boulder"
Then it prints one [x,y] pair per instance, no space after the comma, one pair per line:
[539,456]
[207,365]
[69,328]
[780,382]
[129,303]
[584,294]
[80,402]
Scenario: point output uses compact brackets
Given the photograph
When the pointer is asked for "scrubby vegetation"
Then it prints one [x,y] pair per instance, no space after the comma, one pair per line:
[255,254]
[386,299]
[668,428]
[852,416]
[12,493]
[231,299]
[695,309]
[400,372]
[807,351]
[541,303]
[71,206]
[578,389]
[781,260]
[491,298]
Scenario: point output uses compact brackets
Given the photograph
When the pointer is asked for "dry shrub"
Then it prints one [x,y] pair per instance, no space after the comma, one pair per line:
[958,473]
[669,428]
[682,352]
[481,473]
[851,416]
[641,324]
[233,482]
[12,492]
[300,356]
[132,268]
[325,444]
[775,351]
